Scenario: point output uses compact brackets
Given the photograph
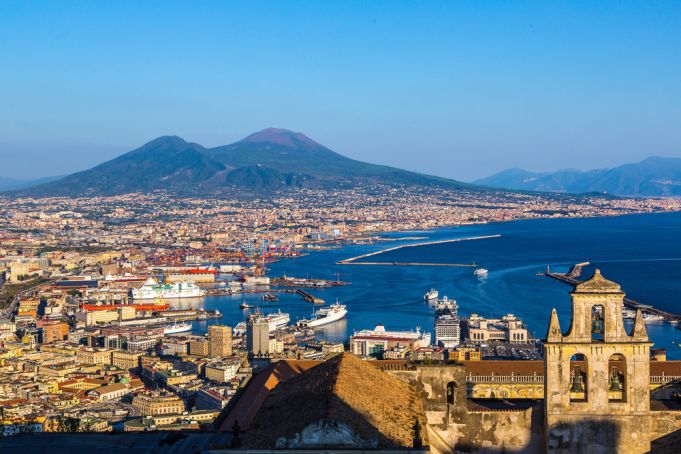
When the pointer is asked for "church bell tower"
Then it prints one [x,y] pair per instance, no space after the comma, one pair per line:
[597,376]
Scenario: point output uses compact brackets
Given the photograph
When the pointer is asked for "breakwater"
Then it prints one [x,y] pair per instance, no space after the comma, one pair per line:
[354,260]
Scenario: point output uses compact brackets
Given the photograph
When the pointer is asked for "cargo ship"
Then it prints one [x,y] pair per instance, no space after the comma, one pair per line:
[151,289]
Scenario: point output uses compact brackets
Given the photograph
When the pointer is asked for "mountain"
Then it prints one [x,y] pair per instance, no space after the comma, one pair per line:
[10,184]
[652,177]
[267,161]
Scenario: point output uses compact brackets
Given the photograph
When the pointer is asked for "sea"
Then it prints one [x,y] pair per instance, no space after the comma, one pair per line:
[640,252]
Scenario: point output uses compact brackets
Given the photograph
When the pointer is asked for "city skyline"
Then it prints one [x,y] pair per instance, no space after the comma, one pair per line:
[460,91]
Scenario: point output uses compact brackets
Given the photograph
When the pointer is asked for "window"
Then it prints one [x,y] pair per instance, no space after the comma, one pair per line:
[579,386]
[451,392]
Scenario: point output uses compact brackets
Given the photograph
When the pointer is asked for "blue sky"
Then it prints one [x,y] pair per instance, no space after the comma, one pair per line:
[457,89]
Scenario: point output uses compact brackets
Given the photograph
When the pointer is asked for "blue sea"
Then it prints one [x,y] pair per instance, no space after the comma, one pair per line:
[641,252]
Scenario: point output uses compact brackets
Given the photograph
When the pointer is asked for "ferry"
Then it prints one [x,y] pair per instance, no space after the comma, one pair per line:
[177,328]
[151,289]
[431,295]
[325,316]
[480,272]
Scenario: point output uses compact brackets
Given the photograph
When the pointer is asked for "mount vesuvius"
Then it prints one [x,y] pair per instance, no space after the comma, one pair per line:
[263,163]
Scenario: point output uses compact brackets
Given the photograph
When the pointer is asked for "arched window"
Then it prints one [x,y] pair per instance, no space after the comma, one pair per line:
[617,376]
[451,392]
[597,323]
[579,390]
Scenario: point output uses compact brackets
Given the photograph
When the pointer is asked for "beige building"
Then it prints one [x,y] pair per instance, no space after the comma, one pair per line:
[222,371]
[126,360]
[158,404]
[93,356]
[219,340]
[508,328]
[198,347]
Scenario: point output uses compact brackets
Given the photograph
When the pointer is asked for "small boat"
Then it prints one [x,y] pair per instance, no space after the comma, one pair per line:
[245,305]
[628,314]
[481,272]
[270,297]
[431,295]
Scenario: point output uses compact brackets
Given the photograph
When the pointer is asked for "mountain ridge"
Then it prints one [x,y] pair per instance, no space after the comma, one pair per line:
[262,163]
[654,176]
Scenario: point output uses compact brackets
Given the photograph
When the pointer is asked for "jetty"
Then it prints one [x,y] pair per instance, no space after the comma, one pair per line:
[576,270]
[355,260]
[309,297]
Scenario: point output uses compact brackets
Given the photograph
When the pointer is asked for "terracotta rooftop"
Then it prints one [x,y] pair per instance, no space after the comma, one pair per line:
[345,389]
[260,386]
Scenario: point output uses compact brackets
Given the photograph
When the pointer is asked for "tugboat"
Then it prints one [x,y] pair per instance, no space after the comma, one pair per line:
[245,305]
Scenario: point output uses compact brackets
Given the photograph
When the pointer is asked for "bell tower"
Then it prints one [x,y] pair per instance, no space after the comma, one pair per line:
[596,375]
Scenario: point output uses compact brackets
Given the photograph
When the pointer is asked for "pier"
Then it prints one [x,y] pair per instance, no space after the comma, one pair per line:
[354,260]
[576,270]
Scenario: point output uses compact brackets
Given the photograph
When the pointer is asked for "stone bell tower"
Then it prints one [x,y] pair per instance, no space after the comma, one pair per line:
[596,388]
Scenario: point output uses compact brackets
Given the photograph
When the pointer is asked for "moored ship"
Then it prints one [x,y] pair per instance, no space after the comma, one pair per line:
[151,289]
[325,316]
[177,328]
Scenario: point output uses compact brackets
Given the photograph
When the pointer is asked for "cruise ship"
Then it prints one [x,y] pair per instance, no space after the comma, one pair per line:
[325,316]
[151,289]
[431,295]
[447,324]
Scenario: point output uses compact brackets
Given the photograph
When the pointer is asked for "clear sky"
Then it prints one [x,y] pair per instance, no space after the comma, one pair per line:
[457,89]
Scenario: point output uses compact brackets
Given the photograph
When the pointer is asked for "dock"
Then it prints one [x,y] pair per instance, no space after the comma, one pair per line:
[576,270]
[354,260]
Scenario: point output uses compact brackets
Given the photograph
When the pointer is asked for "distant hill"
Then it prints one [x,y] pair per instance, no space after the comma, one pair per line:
[10,184]
[264,162]
[652,177]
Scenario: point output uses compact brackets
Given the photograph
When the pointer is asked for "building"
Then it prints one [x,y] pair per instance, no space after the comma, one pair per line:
[509,328]
[198,346]
[258,336]
[113,391]
[55,331]
[152,404]
[219,340]
[222,371]
[125,360]
[214,397]
[93,356]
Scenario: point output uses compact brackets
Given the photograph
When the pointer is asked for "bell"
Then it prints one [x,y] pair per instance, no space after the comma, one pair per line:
[615,384]
[597,325]
[577,383]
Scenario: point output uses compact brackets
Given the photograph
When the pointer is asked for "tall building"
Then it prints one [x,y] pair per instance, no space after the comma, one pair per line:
[597,376]
[219,340]
[258,336]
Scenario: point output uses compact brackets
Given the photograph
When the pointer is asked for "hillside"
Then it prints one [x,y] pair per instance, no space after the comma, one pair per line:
[262,163]
[652,177]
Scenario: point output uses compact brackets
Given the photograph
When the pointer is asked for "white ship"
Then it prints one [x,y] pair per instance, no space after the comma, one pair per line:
[177,328]
[151,289]
[277,320]
[481,272]
[431,295]
[652,318]
[628,314]
[325,316]
[446,306]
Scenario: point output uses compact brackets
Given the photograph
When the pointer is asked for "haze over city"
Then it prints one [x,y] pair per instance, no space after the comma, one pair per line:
[460,90]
